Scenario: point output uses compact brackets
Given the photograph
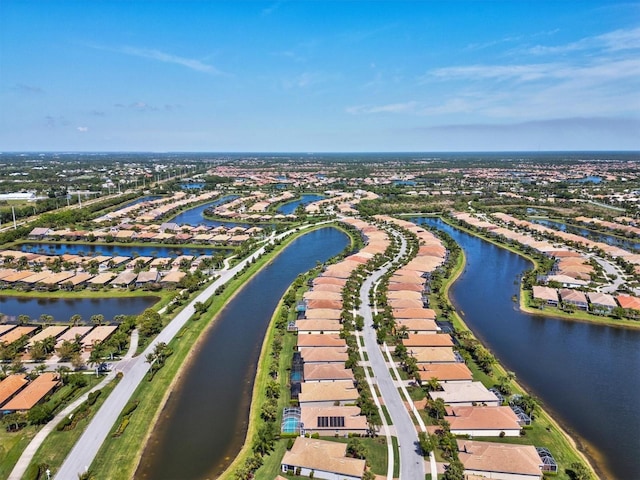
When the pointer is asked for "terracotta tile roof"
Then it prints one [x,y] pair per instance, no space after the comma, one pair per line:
[324,304]
[445,372]
[499,457]
[319,325]
[339,390]
[15,334]
[325,354]
[482,418]
[326,371]
[10,386]
[465,392]
[441,340]
[52,331]
[33,393]
[323,313]
[422,313]
[318,340]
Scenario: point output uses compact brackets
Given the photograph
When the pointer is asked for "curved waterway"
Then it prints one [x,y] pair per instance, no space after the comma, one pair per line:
[290,207]
[62,309]
[627,244]
[195,216]
[114,249]
[587,375]
[204,422]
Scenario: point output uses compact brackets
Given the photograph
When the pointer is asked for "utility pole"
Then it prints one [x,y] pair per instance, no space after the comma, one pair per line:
[13,211]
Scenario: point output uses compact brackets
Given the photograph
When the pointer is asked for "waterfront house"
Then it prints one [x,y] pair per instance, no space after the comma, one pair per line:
[418,325]
[482,421]
[145,278]
[337,392]
[72,334]
[52,331]
[601,302]
[445,372]
[314,340]
[96,336]
[629,302]
[326,372]
[465,394]
[319,326]
[574,297]
[546,295]
[437,340]
[101,279]
[500,461]
[326,460]
[566,281]
[421,313]
[124,279]
[327,421]
[323,314]
[39,233]
[432,354]
[325,355]
[15,334]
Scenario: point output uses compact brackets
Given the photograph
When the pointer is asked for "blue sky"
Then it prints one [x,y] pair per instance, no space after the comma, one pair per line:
[305,76]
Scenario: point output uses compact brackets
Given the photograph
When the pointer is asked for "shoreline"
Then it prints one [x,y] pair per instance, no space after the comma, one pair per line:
[195,348]
[590,456]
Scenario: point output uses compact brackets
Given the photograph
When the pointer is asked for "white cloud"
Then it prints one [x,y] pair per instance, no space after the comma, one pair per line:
[160,56]
[617,40]
[406,107]
[82,129]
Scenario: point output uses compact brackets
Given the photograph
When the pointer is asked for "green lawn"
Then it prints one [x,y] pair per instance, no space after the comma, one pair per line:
[13,444]
[58,444]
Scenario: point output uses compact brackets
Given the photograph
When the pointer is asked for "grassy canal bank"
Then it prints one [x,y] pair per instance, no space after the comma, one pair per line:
[544,431]
[119,456]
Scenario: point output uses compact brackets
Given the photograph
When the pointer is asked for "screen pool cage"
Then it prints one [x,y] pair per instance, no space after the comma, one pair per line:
[291,420]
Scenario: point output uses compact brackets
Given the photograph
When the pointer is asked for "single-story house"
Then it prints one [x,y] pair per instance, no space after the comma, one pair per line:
[33,393]
[547,295]
[338,392]
[500,461]
[465,394]
[333,421]
[325,355]
[327,460]
[574,297]
[601,301]
[483,421]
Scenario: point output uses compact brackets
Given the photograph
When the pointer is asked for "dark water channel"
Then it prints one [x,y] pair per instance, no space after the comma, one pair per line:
[290,207]
[587,375]
[63,309]
[116,249]
[203,425]
[195,216]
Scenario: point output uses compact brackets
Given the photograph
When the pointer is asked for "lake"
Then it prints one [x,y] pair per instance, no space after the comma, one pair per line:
[586,375]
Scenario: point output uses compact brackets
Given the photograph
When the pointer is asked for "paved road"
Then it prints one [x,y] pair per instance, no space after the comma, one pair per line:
[611,270]
[27,455]
[135,369]
[411,460]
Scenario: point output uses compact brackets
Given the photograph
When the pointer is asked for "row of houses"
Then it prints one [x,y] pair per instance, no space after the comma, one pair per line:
[325,388]
[471,409]
[153,209]
[616,252]
[18,394]
[595,302]
[89,337]
[168,232]
[46,279]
